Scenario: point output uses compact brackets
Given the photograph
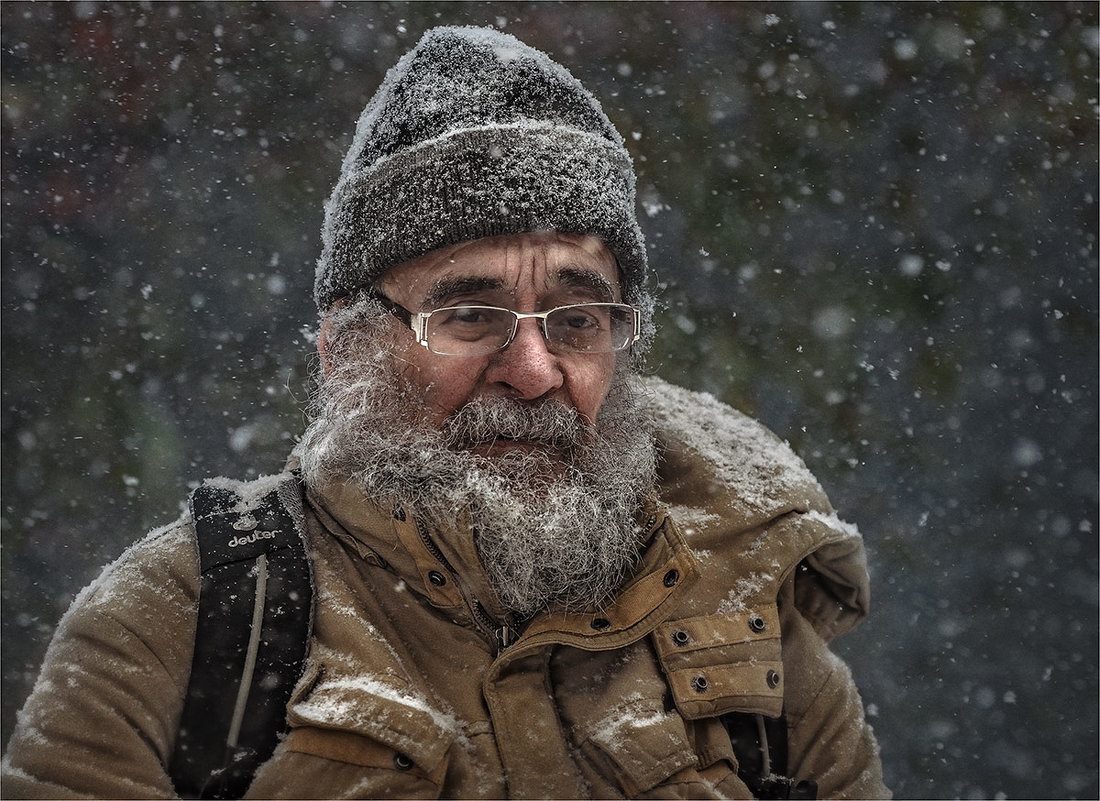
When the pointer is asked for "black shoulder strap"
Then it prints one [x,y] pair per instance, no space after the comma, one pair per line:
[760,745]
[255,614]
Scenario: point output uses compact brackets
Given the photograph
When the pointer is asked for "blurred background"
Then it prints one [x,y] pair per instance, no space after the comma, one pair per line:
[874,226]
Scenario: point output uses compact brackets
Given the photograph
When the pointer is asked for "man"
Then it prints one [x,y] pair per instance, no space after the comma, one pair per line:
[535,573]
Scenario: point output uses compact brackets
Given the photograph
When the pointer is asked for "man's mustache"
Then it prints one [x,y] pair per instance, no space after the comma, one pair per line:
[486,420]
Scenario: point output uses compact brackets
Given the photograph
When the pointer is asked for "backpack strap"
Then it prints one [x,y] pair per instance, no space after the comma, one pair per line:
[255,616]
[760,745]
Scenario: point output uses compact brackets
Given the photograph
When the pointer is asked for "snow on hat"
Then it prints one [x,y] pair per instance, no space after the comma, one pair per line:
[472,134]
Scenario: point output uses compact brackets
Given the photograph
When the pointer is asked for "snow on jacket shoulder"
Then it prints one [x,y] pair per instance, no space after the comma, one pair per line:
[724,475]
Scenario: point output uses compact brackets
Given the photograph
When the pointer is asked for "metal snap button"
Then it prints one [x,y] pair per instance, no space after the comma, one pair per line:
[671,578]
[700,684]
[402,762]
[437,578]
[773,679]
[681,637]
[757,623]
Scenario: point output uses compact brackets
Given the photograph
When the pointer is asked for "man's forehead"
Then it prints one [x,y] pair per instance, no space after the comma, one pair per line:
[542,262]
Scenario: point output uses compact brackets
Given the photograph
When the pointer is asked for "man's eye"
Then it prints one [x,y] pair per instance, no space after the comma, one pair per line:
[581,320]
[465,316]
[577,319]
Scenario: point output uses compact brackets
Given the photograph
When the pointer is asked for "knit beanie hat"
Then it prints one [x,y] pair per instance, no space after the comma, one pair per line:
[473,134]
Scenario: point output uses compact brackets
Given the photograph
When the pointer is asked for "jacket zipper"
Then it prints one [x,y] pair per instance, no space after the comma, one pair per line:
[433,549]
[499,637]
[502,636]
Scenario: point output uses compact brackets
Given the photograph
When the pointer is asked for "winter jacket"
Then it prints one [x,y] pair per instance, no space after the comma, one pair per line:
[746,575]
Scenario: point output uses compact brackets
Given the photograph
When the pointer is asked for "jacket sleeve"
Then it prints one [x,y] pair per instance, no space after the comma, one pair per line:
[830,740]
[102,717]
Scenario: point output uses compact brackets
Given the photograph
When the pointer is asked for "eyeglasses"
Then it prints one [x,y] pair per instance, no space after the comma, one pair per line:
[480,330]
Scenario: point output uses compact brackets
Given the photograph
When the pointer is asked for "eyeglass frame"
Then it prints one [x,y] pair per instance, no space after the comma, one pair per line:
[418,322]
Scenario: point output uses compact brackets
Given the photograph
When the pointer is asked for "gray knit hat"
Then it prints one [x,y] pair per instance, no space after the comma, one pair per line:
[472,134]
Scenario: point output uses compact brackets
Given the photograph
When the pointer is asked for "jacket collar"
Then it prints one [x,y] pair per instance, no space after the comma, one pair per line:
[440,564]
[443,566]
[664,575]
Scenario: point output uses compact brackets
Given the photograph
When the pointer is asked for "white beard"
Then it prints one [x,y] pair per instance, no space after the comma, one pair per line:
[555,525]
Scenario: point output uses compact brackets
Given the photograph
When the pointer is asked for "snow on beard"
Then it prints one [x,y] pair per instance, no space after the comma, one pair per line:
[555,524]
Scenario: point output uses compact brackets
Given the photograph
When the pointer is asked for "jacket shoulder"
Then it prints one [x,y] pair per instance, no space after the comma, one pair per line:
[716,458]
[750,505]
[163,561]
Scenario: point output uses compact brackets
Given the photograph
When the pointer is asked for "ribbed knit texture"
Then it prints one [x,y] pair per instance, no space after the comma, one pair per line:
[472,134]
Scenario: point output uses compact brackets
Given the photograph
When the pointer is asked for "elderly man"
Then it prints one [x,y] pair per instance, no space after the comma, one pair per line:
[533,572]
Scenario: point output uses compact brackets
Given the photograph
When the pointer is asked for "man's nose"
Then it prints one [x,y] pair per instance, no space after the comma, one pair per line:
[526,368]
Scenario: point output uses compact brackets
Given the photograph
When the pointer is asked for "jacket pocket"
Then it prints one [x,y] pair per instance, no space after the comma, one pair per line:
[371,723]
[640,744]
[723,663]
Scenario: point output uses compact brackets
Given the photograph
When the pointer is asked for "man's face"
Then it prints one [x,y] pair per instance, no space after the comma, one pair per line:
[525,273]
[546,452]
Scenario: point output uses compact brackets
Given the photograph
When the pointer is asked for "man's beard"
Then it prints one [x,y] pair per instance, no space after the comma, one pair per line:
[555,519]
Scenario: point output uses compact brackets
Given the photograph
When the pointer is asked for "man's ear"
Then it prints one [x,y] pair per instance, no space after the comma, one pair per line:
[324,345]
[323,349]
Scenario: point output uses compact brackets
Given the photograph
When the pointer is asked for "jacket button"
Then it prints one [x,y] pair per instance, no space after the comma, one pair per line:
[402,762]
[601,623]
[773,679]
[700,684]
[671,577]
[680,637]
[757,623]
[437,578]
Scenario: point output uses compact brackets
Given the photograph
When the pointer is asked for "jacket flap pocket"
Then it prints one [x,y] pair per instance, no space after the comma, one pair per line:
[341,746]
[647,744]
[397,717]
[724,662]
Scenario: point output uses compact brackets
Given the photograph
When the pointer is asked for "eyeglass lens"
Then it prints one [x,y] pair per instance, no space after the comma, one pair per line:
[477,330]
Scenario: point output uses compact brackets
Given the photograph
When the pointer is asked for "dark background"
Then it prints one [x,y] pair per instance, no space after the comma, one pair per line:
[875,226]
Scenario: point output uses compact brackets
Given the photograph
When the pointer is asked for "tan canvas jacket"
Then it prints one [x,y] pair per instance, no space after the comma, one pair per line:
[746,576]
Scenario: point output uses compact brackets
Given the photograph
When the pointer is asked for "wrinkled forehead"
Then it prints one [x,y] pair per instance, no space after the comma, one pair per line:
[516,265]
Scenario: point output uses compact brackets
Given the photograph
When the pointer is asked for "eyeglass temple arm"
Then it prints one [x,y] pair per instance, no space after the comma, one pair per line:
[397,310]
[414,320]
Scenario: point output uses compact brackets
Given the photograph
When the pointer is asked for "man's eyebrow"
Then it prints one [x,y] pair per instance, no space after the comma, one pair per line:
[446,289]
[581,278]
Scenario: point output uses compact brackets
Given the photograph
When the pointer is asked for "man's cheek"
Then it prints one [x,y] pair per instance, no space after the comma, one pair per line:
[448,387]
[589,391]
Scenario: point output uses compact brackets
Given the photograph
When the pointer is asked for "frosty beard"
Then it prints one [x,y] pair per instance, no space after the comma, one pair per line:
[555,524]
